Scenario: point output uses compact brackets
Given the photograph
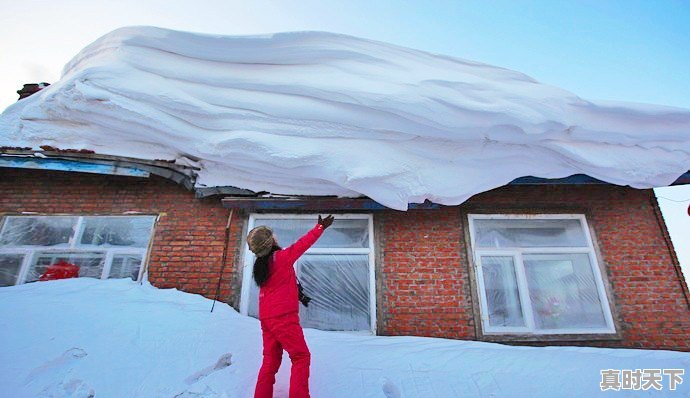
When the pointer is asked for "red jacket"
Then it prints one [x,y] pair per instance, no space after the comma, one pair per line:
[60,270]
[278,295]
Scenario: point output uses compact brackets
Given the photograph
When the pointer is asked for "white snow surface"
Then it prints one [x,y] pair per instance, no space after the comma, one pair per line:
[315,113]
[116,338]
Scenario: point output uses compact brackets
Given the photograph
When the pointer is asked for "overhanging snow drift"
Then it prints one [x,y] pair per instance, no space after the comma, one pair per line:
[315,113]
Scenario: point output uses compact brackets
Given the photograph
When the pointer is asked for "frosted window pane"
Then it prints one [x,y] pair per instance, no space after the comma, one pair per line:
[10,265]
[90,263]
[117,231]
[563,291]
[500,284]
[37,231]
[125,266]
[529,233]
[253,309]
[339,288]
[349,233]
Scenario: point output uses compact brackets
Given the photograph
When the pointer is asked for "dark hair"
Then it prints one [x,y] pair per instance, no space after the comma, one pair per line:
[261,266]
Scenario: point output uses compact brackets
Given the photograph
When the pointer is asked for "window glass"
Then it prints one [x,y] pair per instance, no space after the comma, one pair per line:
[500,284]
[563,291]
[337,283]
[10,264]
[343,233]
[253,297]
[47,240]
[339,288]
[125,266]
[560,290]
[529,233]
[90,263]
[37,231]
[117,231]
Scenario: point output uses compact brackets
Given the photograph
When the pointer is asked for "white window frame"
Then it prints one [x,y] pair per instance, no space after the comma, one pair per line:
[516,253]
[248,257]
[31,251]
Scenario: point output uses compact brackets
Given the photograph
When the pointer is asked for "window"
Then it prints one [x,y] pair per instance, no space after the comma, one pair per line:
[336,272]
[101,246]
[538,274]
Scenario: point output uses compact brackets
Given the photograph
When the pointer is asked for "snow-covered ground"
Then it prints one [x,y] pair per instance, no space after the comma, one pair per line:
[316,113]
[115,338]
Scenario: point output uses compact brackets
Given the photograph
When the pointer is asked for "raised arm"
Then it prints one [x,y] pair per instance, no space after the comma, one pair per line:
[294,251]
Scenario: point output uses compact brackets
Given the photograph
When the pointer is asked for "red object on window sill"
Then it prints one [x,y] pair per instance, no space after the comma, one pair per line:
[60,270]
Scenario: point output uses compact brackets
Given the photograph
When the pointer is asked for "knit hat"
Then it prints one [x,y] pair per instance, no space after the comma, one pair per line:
[260,240]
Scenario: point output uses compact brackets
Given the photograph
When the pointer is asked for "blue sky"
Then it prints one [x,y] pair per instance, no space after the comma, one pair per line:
[613,50]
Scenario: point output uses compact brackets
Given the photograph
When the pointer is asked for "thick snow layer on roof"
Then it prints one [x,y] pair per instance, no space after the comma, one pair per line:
[86,337]
[315,113]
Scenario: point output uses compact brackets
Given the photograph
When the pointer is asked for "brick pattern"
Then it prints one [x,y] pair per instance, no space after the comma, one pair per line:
[423,261]
[188,239]
[423,284]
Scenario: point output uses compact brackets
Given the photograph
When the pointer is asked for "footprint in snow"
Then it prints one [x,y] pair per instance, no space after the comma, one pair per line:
[60,368]
[390,390]
[222,363]
[206,393]
[73,388]
[64,360]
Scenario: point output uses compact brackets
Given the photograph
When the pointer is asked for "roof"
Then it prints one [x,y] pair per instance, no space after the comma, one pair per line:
[81,162]
[321,114]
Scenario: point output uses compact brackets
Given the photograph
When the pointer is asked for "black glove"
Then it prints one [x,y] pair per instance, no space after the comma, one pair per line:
[301,296]
[326,222]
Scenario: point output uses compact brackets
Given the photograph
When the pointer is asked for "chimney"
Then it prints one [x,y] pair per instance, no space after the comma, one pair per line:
[31,88]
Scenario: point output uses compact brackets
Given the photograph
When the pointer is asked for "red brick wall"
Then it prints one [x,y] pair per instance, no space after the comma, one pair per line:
[188,240]
[423,285]
[423,282]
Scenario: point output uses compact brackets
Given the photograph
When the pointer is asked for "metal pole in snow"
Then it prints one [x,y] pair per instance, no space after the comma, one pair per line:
[225,255]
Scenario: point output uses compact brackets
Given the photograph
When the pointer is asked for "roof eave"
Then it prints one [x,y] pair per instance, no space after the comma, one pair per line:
[97,163]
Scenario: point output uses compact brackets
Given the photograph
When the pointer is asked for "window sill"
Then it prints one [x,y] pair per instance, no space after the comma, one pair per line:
[516,337]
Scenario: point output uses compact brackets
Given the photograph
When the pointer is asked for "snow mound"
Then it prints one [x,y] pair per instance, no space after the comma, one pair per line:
[115,338]
[316,113]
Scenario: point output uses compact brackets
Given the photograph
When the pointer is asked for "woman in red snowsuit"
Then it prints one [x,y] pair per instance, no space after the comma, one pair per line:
[279,309]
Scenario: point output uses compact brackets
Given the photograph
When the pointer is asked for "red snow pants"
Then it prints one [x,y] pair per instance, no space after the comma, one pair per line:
[283,332]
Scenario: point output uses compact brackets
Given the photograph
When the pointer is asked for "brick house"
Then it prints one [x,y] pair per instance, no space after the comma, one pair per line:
[572,261]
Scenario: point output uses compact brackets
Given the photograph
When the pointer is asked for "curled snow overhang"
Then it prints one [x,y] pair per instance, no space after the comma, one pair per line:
[232,197]
[320,114]
[235,198]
